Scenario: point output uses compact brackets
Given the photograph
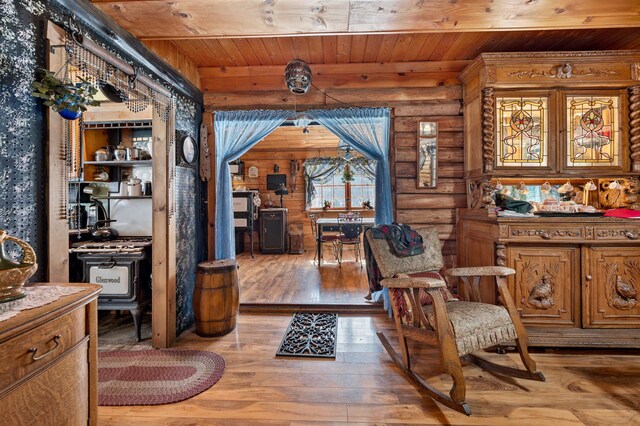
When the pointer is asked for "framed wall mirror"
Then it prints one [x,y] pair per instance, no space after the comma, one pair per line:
[427,166]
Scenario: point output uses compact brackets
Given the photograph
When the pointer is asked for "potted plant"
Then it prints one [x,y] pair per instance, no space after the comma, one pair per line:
[67,99]
[367,205]
[326,205]
[348,175]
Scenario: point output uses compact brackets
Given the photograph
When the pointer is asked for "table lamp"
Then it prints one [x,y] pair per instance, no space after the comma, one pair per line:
[281,191]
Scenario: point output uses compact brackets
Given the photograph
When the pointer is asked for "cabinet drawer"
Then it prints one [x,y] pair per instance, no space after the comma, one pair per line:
[526,233]
[16,360]
[57,396]
[618,233]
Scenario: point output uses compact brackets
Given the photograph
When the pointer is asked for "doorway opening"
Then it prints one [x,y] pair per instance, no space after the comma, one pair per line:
[283,265]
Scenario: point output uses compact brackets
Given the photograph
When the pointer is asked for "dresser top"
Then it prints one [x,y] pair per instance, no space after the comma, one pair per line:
[32,318]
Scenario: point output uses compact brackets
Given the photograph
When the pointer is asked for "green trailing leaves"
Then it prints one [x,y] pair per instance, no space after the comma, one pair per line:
[60,95]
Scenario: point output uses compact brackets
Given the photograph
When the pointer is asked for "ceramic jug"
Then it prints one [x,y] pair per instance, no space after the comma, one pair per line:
[134,187]
[14,274]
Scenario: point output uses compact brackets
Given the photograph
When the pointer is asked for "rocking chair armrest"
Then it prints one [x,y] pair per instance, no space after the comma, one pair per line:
[426,283]
[480,271]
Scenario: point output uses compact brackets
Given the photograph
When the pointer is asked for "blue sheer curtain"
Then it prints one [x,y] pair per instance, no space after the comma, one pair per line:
[235,133]
[366,130]
[317,171]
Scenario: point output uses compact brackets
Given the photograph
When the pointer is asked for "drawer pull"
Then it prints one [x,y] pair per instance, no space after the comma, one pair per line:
[33,351]
[589,277]
[545,235]
[631,235]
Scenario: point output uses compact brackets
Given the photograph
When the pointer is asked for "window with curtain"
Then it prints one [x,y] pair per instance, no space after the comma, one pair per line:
[347,188]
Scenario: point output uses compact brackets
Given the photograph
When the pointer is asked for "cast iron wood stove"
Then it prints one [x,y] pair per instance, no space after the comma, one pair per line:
[123,268]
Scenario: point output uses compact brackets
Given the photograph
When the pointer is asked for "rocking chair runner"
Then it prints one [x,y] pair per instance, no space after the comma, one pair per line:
[457,328]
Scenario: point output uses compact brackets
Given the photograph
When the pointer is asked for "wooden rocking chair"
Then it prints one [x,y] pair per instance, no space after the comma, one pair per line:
[457,328]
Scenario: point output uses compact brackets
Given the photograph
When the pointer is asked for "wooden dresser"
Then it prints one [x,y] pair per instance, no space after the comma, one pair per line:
[556,128]
[57,383]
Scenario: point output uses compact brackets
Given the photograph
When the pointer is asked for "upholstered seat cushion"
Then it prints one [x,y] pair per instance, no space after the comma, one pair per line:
[476,325]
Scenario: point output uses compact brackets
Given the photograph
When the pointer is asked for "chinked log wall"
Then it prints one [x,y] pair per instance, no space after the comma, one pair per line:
[417,91]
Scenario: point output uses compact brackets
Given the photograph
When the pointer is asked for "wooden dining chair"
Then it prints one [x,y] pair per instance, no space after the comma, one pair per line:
[425,311]
[350,235]
[324,239]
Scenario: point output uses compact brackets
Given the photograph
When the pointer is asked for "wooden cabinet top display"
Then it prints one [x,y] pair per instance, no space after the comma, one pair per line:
[566,113]
[534,70]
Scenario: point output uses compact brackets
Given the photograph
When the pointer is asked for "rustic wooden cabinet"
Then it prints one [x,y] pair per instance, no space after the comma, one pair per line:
[57,383]
[577,280]
[544,119]
[273,237]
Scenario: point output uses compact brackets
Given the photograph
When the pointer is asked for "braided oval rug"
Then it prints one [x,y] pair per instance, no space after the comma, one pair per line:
[153,377]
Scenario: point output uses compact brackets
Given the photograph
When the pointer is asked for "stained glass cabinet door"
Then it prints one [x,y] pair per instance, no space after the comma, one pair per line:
[593,136]
[522,130]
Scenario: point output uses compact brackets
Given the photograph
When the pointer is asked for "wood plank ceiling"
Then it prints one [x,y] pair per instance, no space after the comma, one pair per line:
[375,48]
[225,33]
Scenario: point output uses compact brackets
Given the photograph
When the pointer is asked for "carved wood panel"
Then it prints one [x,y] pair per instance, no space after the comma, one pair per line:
[611,296]
[546,287]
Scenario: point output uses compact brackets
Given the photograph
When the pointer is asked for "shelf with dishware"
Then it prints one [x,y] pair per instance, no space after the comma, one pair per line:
[121,197]
[124,163]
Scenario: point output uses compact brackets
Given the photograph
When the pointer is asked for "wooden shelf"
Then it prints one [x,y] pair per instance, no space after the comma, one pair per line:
[122,197]
[120,163]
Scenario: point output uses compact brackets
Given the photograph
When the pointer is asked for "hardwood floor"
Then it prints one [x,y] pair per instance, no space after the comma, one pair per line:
[293,279]
[362,386]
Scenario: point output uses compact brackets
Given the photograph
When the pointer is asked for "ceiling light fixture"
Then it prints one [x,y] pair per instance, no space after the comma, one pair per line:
[297,76]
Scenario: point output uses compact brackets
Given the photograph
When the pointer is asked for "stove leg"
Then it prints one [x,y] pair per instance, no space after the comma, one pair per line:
[137,322]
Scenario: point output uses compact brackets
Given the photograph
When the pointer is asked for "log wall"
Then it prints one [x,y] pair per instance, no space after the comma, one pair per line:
[295,201]
[426,100]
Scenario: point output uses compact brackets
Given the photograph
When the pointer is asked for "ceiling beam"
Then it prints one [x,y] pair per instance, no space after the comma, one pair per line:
[186,19]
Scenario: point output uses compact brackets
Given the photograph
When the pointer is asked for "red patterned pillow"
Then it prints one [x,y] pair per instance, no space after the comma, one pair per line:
[425,298]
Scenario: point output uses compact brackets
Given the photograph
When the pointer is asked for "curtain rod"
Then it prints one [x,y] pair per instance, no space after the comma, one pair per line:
[107,56]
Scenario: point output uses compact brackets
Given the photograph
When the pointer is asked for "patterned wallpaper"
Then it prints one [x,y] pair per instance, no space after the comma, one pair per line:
[22,152]
[188,193]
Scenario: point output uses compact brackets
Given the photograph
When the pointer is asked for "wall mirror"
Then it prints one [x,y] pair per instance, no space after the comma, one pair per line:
[427,154]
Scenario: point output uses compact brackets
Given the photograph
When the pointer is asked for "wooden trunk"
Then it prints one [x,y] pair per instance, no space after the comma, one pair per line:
[216,297]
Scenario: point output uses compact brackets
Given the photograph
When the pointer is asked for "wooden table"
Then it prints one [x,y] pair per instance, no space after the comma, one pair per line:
[331,224]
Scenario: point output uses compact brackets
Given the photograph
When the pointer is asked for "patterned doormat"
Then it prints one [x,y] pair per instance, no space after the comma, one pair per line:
[153,377]
[310,334]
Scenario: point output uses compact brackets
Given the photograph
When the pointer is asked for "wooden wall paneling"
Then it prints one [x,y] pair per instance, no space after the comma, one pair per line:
[316,54]
[271,46]
[359,97]
[176,57]
[358,45]
[58,227]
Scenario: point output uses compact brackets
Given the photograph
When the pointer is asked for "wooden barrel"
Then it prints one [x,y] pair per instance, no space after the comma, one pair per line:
[215,298]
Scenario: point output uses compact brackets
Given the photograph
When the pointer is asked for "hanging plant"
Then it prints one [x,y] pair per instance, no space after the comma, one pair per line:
[367,205]
[68,99]
[326,205]
[348,175]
